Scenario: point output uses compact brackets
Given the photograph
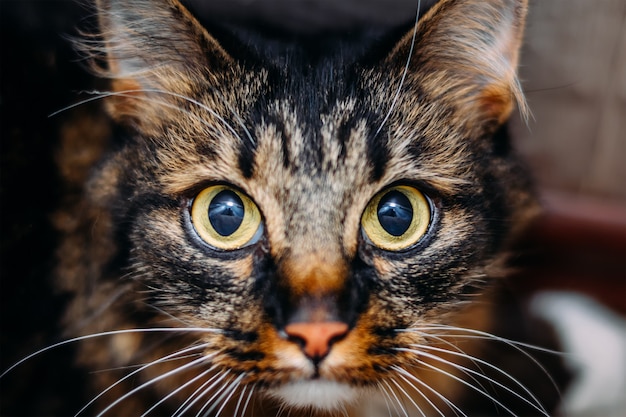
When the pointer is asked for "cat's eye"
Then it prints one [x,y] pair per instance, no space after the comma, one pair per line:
[396,218]
[225,218]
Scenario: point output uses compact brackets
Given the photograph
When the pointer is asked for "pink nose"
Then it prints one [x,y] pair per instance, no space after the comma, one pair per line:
[316,338]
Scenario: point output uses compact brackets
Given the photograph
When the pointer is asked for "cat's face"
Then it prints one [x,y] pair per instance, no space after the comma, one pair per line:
[319,217]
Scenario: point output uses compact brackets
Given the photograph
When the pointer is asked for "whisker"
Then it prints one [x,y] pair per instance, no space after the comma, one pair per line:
[397,400]
[190,401]
[139,365]
[177,390]
[238,118]
[217,393]
[197,103]
[109,333]
[406,394]
[537,404]
[478,334]
[386,396]
[405,375]
[474,334]
[245,406]
[467,384]
[404,73]
[131,94]
[151,382]
[281,410]
[456,348]
[172,318]
[201,392]
[223,392]
[100,95]
[230,392]
[241,395]
[172,356]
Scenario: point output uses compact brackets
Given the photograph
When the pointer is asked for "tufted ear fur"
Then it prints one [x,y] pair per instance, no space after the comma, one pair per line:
[155,52]
[466,53]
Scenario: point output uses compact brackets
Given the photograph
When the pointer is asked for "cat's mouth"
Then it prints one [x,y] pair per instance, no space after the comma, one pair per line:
[319,382]
[316,392]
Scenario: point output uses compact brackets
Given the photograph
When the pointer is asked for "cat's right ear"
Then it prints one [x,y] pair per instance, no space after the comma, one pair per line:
[156,54]
[466,52]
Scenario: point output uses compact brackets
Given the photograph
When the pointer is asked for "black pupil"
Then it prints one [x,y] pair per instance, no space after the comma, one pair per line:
[226,212]
[395,213]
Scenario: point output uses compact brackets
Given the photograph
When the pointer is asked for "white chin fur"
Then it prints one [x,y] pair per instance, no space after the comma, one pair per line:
[317,394]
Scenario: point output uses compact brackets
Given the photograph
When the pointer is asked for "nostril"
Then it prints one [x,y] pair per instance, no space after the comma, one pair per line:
[316,339]
[293,336]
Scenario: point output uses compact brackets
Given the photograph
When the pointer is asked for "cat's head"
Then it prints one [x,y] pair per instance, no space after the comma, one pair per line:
[317,208]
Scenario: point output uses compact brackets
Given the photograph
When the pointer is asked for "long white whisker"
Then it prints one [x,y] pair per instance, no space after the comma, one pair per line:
[397,400]
[281,410]
[240,121]
[166,314]
[231,391]
[387,398]
[537,404]
[478,334]
[201,392]
[151,382]
[197,103]
[218,392]
[139,365]
[458,349]
[405,375]
[127,93]
[405,72]
[223,392]
[100,95]
[439,339]
[188,403]
[177,390]
[192,101]
[155,362]
[406,394]
[130,94]
[245,406]
[239,401]
[103,334]
[456,378]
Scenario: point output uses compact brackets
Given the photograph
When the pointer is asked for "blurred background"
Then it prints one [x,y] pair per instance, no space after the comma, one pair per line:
[573,70]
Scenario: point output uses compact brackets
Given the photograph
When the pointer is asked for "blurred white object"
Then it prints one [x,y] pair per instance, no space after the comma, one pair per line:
[594,339]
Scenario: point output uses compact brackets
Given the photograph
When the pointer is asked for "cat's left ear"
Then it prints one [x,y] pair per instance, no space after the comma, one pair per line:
[155,53]
[466,53]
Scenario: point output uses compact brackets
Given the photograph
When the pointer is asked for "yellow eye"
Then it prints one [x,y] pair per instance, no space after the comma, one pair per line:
[396,218]
[225,218]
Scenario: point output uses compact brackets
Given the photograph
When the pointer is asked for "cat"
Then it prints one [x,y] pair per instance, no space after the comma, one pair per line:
[299,225]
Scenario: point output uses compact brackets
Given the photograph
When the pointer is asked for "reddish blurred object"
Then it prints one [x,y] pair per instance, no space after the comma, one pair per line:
[578,244]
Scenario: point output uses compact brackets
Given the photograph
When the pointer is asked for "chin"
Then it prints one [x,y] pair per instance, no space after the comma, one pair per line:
[317,394]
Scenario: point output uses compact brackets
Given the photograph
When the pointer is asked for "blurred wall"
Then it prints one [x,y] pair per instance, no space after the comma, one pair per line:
[574,74]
